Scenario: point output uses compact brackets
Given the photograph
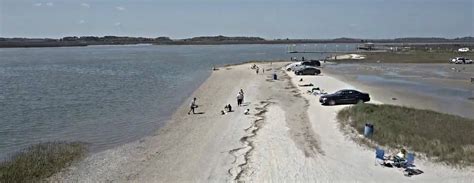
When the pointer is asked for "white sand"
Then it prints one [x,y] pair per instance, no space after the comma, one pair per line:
[349,57]
[288,137]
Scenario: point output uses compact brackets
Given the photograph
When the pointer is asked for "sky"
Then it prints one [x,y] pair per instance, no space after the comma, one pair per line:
[270,19]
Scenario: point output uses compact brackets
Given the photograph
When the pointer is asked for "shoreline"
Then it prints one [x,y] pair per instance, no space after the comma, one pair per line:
[288,136]
[128,154]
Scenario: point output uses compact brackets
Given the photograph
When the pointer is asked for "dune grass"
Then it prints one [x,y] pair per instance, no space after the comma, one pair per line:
[442,137]
[40,161]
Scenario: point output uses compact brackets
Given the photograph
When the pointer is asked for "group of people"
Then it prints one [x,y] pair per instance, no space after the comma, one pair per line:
[257,69]
[240,100]
[227,108]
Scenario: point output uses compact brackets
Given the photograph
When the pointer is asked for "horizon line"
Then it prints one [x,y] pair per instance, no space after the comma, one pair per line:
[410,37]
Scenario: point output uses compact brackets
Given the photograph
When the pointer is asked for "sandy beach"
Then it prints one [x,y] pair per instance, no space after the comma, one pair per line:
[287,137]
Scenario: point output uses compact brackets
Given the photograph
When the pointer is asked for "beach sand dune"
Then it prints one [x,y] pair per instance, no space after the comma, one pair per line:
[287,137]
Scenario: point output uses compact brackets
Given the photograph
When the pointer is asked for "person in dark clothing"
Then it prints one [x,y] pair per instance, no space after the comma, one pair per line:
[240,98]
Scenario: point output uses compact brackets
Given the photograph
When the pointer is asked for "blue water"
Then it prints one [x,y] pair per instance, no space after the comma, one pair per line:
[105,95]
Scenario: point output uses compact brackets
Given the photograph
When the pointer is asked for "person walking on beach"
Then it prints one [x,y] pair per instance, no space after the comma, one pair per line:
[240,97]
[241,92]
[257,70]
[193,106]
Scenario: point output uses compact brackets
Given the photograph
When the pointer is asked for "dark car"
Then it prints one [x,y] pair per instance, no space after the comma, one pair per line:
[344,97]
[308,71]
[314,63]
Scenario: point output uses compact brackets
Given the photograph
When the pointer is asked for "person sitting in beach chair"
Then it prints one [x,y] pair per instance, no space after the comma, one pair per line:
[400,158]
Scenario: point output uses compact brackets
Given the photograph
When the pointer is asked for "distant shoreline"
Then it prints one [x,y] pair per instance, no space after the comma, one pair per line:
[214,40]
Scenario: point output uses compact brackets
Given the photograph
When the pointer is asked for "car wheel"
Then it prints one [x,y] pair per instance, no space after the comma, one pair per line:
[332,102]
[360,101]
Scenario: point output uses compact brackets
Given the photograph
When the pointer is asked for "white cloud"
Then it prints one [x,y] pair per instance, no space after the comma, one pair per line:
[120,8]
[37,4]
[49,4]
[81,22]
[118,24]
[85,5]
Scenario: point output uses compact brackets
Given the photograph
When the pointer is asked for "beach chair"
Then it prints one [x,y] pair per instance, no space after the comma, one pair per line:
[379,155]
[410,160]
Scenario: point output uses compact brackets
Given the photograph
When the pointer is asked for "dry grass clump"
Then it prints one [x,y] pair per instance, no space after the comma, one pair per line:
[446,138]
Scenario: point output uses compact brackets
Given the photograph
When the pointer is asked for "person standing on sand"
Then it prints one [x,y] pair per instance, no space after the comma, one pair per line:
[240,97]
[257,70]
[193,106]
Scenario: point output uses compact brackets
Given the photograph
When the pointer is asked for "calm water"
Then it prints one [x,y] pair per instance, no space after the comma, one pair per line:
[105,95]
[447,85]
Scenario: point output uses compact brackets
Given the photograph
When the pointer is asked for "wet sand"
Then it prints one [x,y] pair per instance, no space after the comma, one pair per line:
[287,137]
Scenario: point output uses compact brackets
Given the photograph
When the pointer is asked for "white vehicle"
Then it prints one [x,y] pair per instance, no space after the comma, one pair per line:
[461,60]
[292,65]
[463,50]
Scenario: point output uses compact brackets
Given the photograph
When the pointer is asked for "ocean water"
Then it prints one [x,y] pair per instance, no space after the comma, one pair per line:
[106,95]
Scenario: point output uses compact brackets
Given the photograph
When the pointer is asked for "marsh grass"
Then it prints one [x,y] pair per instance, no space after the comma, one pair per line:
[40,161]
[442,137]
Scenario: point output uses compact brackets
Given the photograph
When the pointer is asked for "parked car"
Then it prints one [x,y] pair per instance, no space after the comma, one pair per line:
[291,66]
[344,97]
[308,71]
[461,60]
[314,63]
[297,68]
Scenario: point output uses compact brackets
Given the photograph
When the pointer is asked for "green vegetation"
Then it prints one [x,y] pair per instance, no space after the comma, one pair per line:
[416,56]
[40,161]
[443,137]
